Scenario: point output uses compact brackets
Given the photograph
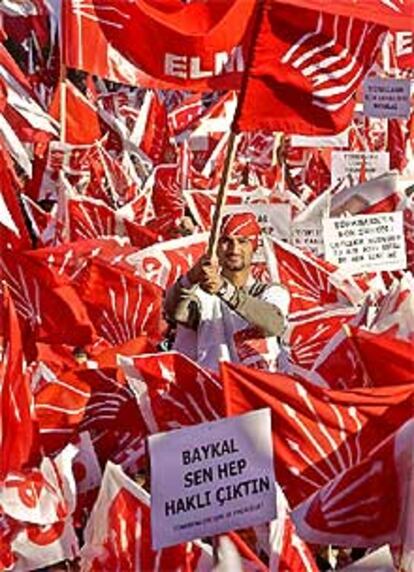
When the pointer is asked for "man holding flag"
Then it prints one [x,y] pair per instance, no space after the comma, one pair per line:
[222,312]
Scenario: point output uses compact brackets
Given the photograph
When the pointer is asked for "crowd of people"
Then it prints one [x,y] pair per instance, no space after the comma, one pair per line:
[118,321]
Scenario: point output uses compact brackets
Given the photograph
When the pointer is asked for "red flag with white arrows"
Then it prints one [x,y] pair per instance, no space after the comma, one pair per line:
[172,391]
[118,533]
[394,14]
[387,360]
[18,432]
[80,123]
[197,46]
[317,433]
[368,504]
[305,71]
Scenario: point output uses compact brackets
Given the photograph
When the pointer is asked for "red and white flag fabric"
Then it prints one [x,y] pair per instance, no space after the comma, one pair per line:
[13,230]
[92,219]
[338,364]
[317,433]
[313,284]
[23,111]
[40,295]
[37,507]
[80,123]
[287,549]
[395,314]
[118,533]
[94,400]
[164,263]
[18,433]
[150,133]
[192,46]
[386,360]
[305,71]
[402,49]
[367,504]
[307,337]
[85,46]
[185,114]
[182,45]
[172,391]
[380,194]
[394,14]
[120,305]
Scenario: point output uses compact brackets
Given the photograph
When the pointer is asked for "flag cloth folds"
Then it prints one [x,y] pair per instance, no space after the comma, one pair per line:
[305,71]
[394,14]
[118,533]
[317,433]
[81,119]
[366,505]
[196,46]
[17,425]
[387,360]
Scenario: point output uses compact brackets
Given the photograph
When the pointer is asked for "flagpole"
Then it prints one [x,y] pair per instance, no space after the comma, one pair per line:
[62,111]
[232,144]
[222,194]
[62,79]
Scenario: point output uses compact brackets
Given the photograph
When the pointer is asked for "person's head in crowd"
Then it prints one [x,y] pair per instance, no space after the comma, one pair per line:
[239,237]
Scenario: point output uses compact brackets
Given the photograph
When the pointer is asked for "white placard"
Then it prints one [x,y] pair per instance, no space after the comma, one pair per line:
[349,164]
[366,243]
[321,141]
[308,236]
[211,478]
[387,97]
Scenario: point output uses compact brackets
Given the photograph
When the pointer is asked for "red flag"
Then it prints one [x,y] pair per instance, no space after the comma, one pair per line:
[81,120]
[93,400]
[92,219]
[394,14]
[122,306]
[118,533]
[37,505]
[164,263]
[307,337]
[198,46]
[17,432]
[312,282]
[287,549]
[395,315]
[305,71]
[40,295]
[13,230]
[317,432]
[366,505]
[402,49]
[172,391]
[96,41]
[151,131]
[387,360]
[185,114]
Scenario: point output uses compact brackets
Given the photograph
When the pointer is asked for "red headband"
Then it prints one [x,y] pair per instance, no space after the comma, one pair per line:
[241,224]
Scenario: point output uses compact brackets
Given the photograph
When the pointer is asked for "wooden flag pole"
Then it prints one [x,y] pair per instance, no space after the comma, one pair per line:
[222,195]
[232,145]
[62,106]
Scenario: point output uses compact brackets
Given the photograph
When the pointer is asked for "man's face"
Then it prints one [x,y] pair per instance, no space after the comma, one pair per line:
[235,252]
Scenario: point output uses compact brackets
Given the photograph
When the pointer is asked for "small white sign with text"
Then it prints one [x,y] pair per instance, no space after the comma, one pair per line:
[366,243]
[387,97]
